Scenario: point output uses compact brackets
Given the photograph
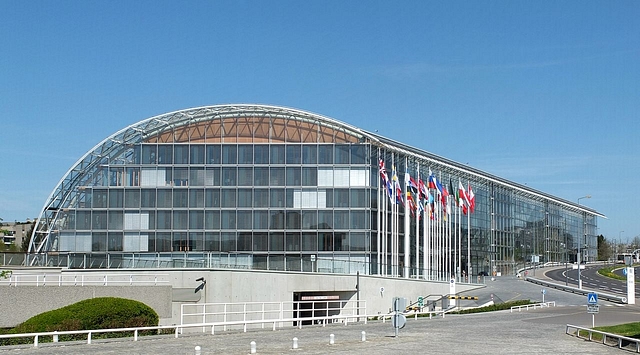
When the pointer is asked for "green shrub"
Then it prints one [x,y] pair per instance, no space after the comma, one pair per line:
[94,313]
[608,272]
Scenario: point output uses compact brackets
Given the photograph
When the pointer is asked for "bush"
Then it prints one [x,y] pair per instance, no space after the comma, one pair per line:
[94,313]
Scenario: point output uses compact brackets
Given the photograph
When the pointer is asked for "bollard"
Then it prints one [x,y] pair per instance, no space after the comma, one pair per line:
[332,339]
[55,337]
[295,343]
[253,347]
[198,348]
[364,336]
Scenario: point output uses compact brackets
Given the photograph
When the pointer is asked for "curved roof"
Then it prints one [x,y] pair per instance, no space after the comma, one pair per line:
[243,123]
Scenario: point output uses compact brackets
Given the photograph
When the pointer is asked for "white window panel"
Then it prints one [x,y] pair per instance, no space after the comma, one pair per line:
[325,177]
[358,177]
[83,242]
[341,177]
[152,177]
[67,242]
[322,199]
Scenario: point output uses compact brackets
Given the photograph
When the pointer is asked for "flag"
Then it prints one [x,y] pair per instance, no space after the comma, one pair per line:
[464,200]
[432,180]
[472,200]
[414,186]
[444,193]
[408,189]
[423,189]
[385,179]
[396,186]
[454,193]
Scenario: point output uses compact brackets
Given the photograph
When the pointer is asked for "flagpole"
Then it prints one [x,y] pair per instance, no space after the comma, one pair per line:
[379,213]
[425,217]
[450,263]
[469,235]
[460,232]
[407,221]
[418,226]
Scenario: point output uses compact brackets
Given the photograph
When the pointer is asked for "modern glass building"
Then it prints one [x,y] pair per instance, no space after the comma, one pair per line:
[273,188]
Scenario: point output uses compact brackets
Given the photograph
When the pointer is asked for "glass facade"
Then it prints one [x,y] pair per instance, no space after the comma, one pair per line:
[263,187]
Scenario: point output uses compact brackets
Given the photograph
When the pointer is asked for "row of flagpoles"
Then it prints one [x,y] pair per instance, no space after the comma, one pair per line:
[439,209]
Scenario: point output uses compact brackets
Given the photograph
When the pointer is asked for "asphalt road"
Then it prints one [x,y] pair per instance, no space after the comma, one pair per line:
[591,279]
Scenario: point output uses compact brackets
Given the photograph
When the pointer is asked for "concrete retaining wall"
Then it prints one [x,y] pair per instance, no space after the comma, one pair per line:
[223,285]
[23,302]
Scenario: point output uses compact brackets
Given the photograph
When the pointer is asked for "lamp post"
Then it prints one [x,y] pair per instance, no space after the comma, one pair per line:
[619,241]
[584,232]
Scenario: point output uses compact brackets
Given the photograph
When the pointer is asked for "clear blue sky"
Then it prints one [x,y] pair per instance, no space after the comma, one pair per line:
[544,93]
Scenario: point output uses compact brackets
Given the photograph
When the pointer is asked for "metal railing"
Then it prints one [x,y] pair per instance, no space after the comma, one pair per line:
[178,329]
[266,312]
[534,306]
[622,342]
[109,279]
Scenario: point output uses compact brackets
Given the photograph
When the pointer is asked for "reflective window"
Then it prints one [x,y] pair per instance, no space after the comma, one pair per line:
[245,154]
[181,154]
[245,176]
[165,154]
[342,154]
[197,154]
[310,154]
[294,154]
[229,154]
[261,154]
[245,198]
[260,198]
[277,154]
[214,153]
[325,154]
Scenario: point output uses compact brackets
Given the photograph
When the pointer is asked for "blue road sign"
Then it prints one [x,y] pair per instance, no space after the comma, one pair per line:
[592,298]
[624,271]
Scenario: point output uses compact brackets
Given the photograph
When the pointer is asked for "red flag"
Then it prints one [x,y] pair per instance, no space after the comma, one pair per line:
[472,200]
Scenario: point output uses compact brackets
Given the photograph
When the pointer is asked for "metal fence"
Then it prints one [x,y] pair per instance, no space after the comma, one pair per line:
[266,312]
[111,279]
[619,341]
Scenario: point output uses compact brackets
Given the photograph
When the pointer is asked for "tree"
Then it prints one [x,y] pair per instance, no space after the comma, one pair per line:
[605,249]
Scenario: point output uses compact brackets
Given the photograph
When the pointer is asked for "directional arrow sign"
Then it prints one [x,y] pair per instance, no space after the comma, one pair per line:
[592,298]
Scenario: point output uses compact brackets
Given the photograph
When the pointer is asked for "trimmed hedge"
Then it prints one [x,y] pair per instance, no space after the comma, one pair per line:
[94,313]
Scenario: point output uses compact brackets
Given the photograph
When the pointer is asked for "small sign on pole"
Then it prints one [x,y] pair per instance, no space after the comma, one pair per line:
[592,298]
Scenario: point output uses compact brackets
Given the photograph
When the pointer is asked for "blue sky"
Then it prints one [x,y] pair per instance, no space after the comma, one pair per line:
[543,93]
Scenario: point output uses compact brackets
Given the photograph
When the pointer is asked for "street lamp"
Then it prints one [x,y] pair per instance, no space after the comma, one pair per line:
[584,232]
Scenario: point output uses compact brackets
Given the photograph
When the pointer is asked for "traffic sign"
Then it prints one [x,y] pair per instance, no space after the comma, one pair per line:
[420,301]
[398,320]
[624,271]
[593,308]
[592,298]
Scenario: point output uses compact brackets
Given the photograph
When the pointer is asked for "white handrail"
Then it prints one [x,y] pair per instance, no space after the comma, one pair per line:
[267,311]
[108,279]
[619,338]
[534,306]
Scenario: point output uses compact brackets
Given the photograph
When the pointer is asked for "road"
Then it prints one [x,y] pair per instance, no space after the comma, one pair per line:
[592,280]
